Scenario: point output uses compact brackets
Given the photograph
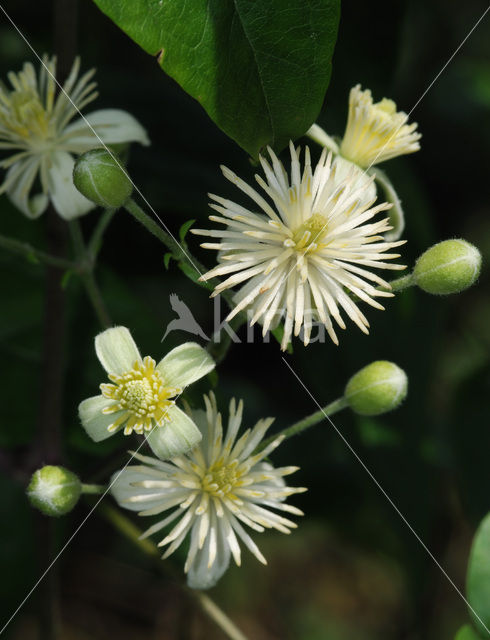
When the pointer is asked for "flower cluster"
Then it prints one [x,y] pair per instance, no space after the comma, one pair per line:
[140,396]
[212,491]
[306,250]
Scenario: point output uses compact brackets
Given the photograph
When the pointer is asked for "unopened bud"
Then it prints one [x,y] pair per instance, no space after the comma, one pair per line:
[377,388]
[448,267]
[100,177]
[54,490]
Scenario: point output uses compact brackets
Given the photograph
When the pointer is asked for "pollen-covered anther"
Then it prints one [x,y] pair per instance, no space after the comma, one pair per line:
[142,395]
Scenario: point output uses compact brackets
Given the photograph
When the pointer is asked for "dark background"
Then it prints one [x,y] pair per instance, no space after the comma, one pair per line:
[352,570]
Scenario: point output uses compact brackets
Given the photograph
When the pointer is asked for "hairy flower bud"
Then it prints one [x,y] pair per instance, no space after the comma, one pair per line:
[101,178]
[377,388]
[54,490]
[448,267]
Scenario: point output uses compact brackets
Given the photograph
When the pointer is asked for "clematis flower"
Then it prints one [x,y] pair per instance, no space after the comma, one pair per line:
[35,127]
[140,395]
[307,249]
[376,132]
[212,491]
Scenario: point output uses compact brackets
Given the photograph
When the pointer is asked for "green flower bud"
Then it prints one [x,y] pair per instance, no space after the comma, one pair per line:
[376,389]
[448,267]
[100,178]
[54,490]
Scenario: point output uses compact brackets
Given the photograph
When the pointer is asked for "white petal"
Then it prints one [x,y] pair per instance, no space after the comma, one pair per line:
[343,168]
[93,420]
[20,185]
[117,350]
[210,562]
[112,126]
[175,437]
[67,201]
[185,364]
[124,493]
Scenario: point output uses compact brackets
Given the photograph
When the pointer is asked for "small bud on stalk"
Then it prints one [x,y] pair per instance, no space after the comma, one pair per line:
[377,388]
[54,490]
[101,178]
[448,267]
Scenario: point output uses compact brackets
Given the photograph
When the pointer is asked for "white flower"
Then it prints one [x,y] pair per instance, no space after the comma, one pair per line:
[213,490]
[140,398]
[34,124]
[376,132]
[306,253]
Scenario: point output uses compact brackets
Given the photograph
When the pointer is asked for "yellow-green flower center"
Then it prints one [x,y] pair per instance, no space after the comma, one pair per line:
[387,106]
[141,396]
[220,481]
[307,238]
[25,115]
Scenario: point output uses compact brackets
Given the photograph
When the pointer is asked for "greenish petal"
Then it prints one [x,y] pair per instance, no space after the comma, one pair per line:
[117,350]
[175,437]
[95,422]
[185,364]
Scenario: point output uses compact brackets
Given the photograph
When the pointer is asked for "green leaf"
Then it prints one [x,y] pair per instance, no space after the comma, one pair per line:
[184,229]
[478,580]
[166,260]
[260,68]
[194,275]
[467,633]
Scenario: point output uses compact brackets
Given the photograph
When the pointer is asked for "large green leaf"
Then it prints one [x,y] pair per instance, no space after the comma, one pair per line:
[478,582]
[260,68]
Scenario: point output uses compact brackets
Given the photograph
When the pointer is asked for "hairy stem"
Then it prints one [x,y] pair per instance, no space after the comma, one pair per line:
[309,421]
[130,531]
[31,253]
[86,272]
[402,283]
[179,251]
[95,242]
[93,489]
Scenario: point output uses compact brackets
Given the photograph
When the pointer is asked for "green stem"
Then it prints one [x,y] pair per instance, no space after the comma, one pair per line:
[402,283]
[395,214]
[95,242]
[93,489]
[321,137]
[93,292]
[309,421]
[179,252]
[172,245]
[133,533]
[30,252]
[86,271]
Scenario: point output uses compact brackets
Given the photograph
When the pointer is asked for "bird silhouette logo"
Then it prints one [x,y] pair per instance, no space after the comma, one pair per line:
[185,320]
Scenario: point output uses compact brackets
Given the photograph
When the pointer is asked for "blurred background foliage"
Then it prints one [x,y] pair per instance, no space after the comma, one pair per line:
[352,570]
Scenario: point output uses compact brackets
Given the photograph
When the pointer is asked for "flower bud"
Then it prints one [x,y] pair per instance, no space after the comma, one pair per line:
[376,389]
[54,490]
[101,178]
[448,267]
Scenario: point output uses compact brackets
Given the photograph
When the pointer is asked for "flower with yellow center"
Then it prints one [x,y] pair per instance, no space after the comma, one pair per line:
[35,127]
[142,395]
[376,132]
[213,490]
[304,253]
